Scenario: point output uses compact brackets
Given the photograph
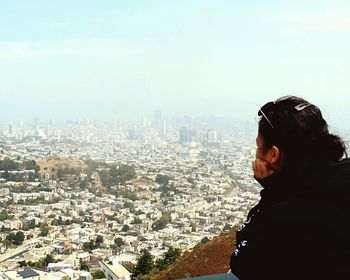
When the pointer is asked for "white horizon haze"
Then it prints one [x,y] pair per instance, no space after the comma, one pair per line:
[116,59]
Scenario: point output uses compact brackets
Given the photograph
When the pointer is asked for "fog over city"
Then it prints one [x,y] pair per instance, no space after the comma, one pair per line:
[114,59]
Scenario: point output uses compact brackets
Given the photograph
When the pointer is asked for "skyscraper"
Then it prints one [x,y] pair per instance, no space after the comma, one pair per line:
[211,136]
[157,115]
[187,135]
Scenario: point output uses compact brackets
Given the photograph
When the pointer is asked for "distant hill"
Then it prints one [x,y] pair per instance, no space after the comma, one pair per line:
[51,164]
[210,258]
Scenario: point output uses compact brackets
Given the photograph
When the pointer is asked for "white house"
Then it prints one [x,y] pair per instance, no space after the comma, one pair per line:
[115,270]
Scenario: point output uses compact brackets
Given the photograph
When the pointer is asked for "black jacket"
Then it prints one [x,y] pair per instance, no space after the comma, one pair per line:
[300,229]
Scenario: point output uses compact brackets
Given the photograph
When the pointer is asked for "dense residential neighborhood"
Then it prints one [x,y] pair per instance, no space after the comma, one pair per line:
[85,199]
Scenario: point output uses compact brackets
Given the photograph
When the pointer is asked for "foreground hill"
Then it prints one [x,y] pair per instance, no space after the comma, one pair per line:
[212,257]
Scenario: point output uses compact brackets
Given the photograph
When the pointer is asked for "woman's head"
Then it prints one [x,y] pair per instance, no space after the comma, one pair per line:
[297,129]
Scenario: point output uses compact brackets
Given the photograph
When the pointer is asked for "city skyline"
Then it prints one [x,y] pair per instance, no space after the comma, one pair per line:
[123,60]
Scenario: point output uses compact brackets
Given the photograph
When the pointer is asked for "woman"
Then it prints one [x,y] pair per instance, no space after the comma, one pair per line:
[300,229]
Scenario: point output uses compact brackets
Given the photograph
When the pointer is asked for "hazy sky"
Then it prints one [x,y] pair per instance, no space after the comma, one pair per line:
[109,59]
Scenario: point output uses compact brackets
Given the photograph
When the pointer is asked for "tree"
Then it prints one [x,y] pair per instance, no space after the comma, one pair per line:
[59,173]
[129,205]
[88,246]
[84,266]
[169,257]
[31,224]
[125,173]
[83,184]
[98,241]
[4,216]
[125,228]
[119,242]
[162,179]
[18,239]
[72,171]
[193,227]
[144,264]
[10,236]
[31,165]
[115,175]
[6,175]
[98,274]
[92,165]
[44,231]
[40,264]
[66,170]
[7,243]
[8,164]
[227,227]
[162,222]
[130,195]
[15,238]
[137,220]
[49,259]
[190,180]
[105,177]
[204,240]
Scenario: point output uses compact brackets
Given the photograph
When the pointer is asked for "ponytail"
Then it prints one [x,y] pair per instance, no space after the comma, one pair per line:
[329,147]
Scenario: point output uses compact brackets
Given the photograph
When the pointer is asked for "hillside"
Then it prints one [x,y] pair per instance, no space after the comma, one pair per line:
[55,163]
[210,258]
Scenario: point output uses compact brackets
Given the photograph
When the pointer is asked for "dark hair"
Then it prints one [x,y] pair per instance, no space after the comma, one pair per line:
[299,131]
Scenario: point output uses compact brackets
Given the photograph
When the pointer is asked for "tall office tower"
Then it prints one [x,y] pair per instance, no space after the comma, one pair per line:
[191,135]
[59,133]
[10,129]
[145,122]
[187,135]
[183,135]
[160,125]
[211,136]
[131,134]
[163,128]
[157,115]
[48,130]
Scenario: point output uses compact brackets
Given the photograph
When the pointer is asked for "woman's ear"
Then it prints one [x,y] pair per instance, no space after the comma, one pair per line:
[275,158]
[275,155]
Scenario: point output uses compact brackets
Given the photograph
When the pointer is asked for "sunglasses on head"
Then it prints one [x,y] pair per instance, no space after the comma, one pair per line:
[268,108]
